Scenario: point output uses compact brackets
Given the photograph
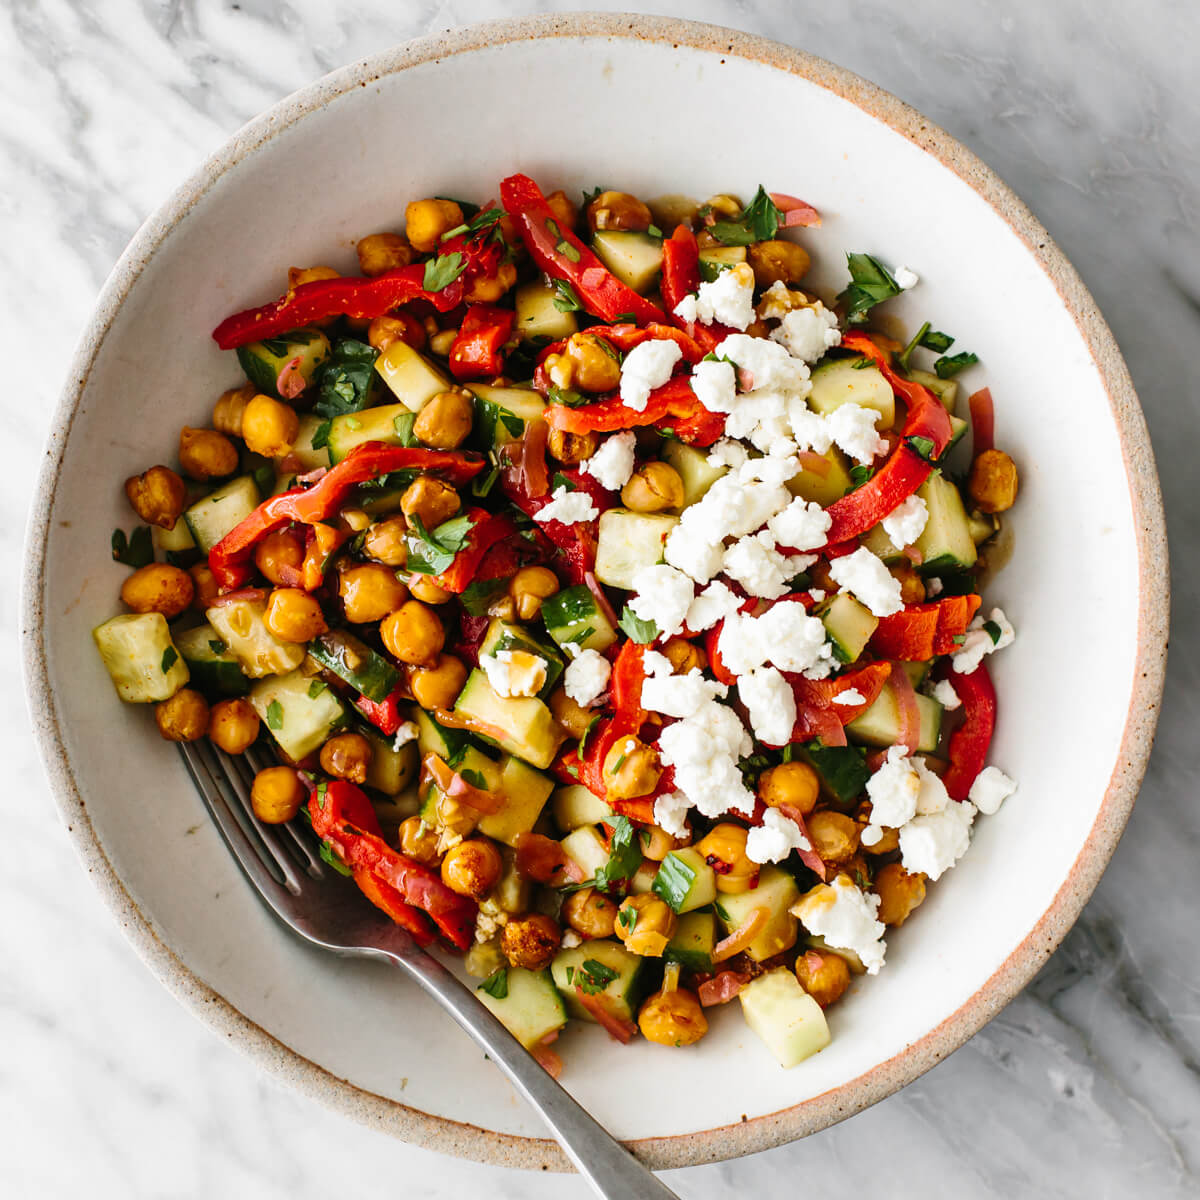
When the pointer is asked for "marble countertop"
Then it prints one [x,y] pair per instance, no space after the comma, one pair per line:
[1089,1083]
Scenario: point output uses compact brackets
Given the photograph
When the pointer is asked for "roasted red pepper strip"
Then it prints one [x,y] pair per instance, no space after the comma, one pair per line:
[229,558]
[577,541]
[384,714]
[954,615]
[487,530]
[673,403]
[815,706]
[475,353]
[921,631]
[970,741]
[343,816]
[681,277]
[560,253]
[388,900]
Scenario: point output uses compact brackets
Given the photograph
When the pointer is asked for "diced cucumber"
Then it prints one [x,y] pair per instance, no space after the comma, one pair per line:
[214,669]
[536,315]
[299,720]
[917,671]
[823,487]
[982,527]
[880,724]
[692,943]
[213,516]
[946,390]
[501,413]
[525,794]
[176,544]
[413,379]
[643,878]
[776,893]
[521,725]
[629,541]
[715,259]
[262,361]
[849,625]
[484,958]
[575,806]
[356,663]
[574,619]
[621,994]
[370,425]
[958,427]
[240,625]
[445,812]
[692,464]
[306,457]
[685,881]
[530,1009]
[838,381]
[141,658]
[503,635]
[391,771]
[946,542]
[882,546]
[514,892]
[586,849]
[634,258]
[789,1021]
[432,738]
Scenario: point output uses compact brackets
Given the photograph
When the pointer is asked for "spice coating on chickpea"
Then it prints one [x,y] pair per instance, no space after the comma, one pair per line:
[777,261]
[993,481]
[618,210]
[445,421]
[233,725]
[590,913]
[793,783]
[206,454]
[724,849]
[437,686]
[347,756]
[899,893]
[158,587]
[571,448]
[825,977]
[565,212]
[419,841]
[528,588]
[531,941]
[433,500]
[204,583]
[413,633]
[487,289]
[425,221]
[269,427]
[384,332]
[673,1018]
[276,795]
[294,616]
[370,592]
[229,408]
[472,867]
[653,487]
[182,718]
[631,768]
[280,555]
[380,252]
[834,835]
[593,364]
[157,496]
[645,924]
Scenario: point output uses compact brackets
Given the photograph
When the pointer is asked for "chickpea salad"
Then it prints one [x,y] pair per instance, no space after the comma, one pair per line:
[608,598]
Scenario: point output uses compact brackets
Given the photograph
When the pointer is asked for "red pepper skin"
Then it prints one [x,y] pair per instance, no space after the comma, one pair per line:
[487,530]
[969,743]
[384,714]
[577,542]
[921,631]
[673,404]
[229,558]
[475,353]
[815,707]
[561,254]
[954,615]
[681,277]
[387,899]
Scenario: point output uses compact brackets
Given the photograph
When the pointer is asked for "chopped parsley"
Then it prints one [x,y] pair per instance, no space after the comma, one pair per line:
[481,220]
[432,553]
[722,912]
[320,437]
[561,244]
[216,646]
[135,551]
[326,851]
[948,367]
[275,715]
[923,446]
[171,657]
[346,383]
[993,631]
[478,596]
[625,319]
[496,984]
[315,689]
[481,485]
[442,270]
[931,339]
[624,856]
[403,425]
[642,632]
[566,396]
[627,918]
[474,778]
[674,881]
[870,283]
[859,475]
[561,481]
[566,300]
[593,977]
[757,222]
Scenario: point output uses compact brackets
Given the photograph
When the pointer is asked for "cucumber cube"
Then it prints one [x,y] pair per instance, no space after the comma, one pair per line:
[141,658]
[789,1021]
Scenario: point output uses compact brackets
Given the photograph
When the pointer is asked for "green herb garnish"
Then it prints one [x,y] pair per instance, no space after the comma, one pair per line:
[403,425]
[642,632]
[315,689]
[593,977]
[561,244]
[870,283]
[275,715]
[859,475]
[757,222]
[571,399]
[432,553]
[673,881]
[326,851]
[217,647]
[993,631]
[923,446]
[474,778]
[624,856]
[566,300]
[171,657]
[561,481]
[135,551]
[496,984]
[347,382]
[442,270]
[947,368]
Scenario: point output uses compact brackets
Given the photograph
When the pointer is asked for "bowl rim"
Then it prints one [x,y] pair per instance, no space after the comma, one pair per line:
[771,1129]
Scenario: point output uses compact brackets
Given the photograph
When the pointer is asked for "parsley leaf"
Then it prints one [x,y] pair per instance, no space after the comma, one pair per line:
[275,715]
[320,435]
[871,284]
[442,270]
[593,976]
[571,399]
[923,446]
[496,984]
[624,856]
[624,319]
[561,244]
[474,778]
[950,366]
[480,594]
[931,339]
[992,630]
[135,551]
[315,689]
[217,647]
[481,485]
[642,632]
[403,425]
[757,222]
[722,912]
[627,918]
[346,382]
[673,881]
[481,220]
[432,553]
[326,851]
[171,656]
[566,300]
[561,481]
[859,474]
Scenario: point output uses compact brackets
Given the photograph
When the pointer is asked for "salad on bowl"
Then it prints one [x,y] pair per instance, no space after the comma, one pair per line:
[609,601]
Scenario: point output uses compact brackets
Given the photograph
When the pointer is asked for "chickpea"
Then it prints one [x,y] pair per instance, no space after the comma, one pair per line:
[294,616]
[793,783]
[205,584]
[399,327]
[438,686]
[673,1018]
[413,633]
[631,768]
[777,260]
[380,252]
[724,206]
[422,588]
[653,487]
[645,924]
[206,454]
[823,976]
[912,586]
[889,840]
[385,542]
[899,893]
[269,427]
[834,835]
[531,941]
[724,849]
[233,725]
[590,913]
[487,289]
[182,718]
[529,587]
[300,275]
[441,342]
[502,607]
[157,496]
[658,843]
[993,481]
[280,556]
[347,756]
[618,210]
[370,592]
[570,714]
[419,841]
[571,448]
[277,795]
[430,499]
[684,656]
[158,587]
[472,867]
[565,212]
[426,220]
[228,410]
[445,421]
[594,366]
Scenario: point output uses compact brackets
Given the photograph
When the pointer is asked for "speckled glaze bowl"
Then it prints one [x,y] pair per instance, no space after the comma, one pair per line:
[650,105]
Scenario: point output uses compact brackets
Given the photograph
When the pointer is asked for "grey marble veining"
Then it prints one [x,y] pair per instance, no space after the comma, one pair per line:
[1089,1083]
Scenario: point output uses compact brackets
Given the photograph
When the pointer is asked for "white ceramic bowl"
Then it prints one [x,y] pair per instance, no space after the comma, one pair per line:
[649,105]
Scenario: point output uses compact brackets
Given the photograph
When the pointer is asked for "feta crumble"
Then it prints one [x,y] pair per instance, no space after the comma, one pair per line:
[727,452]
[767,366]
[905,278]
[771,704]
[670,810]
[864,574]
[586,677]
[663,595]
[785,636]
[852,428]
[704,749]
[712,605]
[680,695]
[801,526]
[695,552]
[570,939]
[977,641]
[514,672]
[775,838]
[754,562]
[645,368]
[990,789]
[808,332]
[406,732]
[907,522]
[727,300]
[850,696]
[567,507]
[612,464]
[943,692]
[846,918]
[900,790]
[932,843]
[715,385]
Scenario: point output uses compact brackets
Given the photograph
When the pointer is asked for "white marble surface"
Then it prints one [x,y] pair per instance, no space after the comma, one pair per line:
[1088,1084]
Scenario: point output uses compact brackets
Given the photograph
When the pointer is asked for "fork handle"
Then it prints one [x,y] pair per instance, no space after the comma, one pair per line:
[609,1168]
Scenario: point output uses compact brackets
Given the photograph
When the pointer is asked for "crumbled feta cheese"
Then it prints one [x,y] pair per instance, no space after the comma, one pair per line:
[514,672]
[771,704]
[670,809]
[688,309]
[612,464]
[680,695]
[906,523]
[654,663]
[846,918]
[852,427]
[766,365]
[488,925]
[754,562]
[990,789]
[943,692]
[704,749]
[570,939]
[712,605]
[865,575]
[695,552]
[733,506]
[727,300]
[406,732]
[567,507]
[808,332]
[934,842]
[809,430]
[586,677]
[727,453]
[778,300]
[893,790]
[978,641]
[775,838]
[646,367]
[906,278]
[816,595]
[801,526]
[663,595]
[774,469]
[850,696]
[715,385]
[785,636]
[933,586]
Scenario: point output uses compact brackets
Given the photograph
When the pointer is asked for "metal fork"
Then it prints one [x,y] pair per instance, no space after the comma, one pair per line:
[327,910]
